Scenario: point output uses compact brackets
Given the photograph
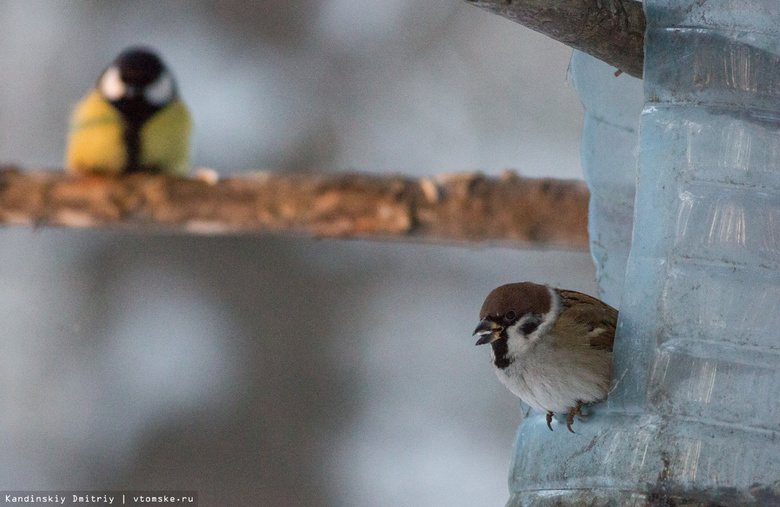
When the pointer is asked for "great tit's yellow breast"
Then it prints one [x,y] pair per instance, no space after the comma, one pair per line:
[96,137]
[165,140]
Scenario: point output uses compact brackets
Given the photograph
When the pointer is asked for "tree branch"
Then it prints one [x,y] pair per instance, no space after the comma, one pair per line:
[449,208]
[611,30]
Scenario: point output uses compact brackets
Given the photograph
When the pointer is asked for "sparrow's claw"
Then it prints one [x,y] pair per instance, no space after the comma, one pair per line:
[570,420]
[574,411]
[549,420]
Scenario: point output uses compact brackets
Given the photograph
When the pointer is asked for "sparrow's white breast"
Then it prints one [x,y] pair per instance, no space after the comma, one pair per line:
[554,379]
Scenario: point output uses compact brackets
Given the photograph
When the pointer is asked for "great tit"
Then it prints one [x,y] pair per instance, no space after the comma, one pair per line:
[132,121]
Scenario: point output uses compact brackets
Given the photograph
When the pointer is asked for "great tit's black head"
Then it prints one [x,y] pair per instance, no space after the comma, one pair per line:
[139,67]
[523,303]
[138,84]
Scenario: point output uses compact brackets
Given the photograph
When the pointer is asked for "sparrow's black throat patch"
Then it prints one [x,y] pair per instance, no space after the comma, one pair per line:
[500,352]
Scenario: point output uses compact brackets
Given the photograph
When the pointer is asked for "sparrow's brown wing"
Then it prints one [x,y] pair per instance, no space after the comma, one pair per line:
[596,314]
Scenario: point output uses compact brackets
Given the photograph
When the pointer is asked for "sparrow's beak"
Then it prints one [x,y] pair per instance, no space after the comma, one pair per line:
[488,332]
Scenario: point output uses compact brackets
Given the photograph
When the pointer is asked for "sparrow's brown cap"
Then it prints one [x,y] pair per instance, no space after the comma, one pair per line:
[524,297]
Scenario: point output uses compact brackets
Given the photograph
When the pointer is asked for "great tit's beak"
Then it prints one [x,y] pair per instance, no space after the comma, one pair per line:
[488,332]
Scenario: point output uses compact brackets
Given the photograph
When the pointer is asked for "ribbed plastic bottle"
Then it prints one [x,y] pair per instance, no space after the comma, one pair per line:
[694,417]
[610,153]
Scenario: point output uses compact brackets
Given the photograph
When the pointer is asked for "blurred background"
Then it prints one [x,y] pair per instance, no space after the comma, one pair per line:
[276,370]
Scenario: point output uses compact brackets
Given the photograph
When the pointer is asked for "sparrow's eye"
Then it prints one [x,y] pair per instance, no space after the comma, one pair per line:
[510,316]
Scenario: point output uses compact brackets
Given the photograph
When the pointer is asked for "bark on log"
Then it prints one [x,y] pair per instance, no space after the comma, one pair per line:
[454,208]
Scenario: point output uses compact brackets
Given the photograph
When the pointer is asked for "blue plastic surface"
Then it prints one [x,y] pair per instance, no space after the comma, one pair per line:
[693,417]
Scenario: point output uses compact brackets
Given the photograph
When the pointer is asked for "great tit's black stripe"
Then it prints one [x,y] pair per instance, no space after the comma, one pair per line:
[500,352]
[133,144]
[135,112]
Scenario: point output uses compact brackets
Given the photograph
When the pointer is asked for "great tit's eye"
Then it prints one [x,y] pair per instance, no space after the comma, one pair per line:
[510,316]
[111,85]
[160,91]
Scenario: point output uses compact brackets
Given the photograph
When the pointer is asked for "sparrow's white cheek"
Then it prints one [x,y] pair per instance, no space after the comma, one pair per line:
[517,342]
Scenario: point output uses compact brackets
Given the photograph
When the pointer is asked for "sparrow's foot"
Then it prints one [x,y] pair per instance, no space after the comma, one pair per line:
[549,420]
[574,411]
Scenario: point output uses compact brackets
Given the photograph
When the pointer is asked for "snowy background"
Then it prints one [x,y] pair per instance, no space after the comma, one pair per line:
[273,370]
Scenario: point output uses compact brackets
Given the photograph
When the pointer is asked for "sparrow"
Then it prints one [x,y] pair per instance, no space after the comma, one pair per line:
[132,120]
[551,347]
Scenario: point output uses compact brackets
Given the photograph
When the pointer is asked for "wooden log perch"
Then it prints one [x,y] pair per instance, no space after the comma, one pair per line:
[611,30]
[513,210]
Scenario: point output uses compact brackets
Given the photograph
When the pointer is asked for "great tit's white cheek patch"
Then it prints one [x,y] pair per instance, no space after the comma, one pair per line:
[111,85]
[160,91]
